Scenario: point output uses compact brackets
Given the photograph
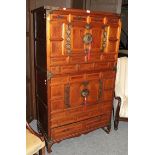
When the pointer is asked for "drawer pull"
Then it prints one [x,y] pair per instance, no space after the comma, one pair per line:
[84,94]
[87,39]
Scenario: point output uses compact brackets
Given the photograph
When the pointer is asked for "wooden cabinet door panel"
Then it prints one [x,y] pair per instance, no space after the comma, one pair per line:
[67,92]
[114,32]
[78,30]
[97,36]
[57,38]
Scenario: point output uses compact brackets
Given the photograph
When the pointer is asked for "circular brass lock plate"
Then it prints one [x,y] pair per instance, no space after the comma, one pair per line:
[84,92]
[87,38]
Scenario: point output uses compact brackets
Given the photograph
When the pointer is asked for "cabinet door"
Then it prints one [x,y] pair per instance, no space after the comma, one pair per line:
[57,34]
[82,37]
[78,90]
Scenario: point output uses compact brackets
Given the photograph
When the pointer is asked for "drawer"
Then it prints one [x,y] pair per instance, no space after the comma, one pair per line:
[97,122]
[97,20]
[101,66]
[68,69]
[113,21]
[78,128]
[79,114]
[79,18]
[57,17]
[58,61]
[109,57]
[86,67]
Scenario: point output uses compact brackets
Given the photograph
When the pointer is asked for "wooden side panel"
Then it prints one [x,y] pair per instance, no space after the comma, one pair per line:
[40,67]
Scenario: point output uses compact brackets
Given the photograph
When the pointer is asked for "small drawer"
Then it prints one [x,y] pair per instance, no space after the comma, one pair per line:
[58,61]
[58,17]
[100,66]
[59,80]
[79,18]
[68,69]
[55,70]
[95,57]
[77,59]
[94,19]
[109,57]
[86,67]
[114,21]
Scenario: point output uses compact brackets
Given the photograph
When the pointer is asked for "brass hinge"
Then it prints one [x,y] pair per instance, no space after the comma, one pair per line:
[49,75]
[44,71]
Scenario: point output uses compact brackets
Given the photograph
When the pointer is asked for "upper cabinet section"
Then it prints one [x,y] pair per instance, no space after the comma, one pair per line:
[72,34]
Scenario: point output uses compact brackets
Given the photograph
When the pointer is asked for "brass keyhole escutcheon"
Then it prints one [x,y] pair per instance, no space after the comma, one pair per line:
[87,39]
[84,92]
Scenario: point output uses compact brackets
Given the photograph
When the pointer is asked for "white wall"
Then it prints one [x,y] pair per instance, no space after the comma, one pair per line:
[59,3]
[104,5]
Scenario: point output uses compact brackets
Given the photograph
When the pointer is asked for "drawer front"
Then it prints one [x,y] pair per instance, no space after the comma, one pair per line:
[78,128]
[79,114]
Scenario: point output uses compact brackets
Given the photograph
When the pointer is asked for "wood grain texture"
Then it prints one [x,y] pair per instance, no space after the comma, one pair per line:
[80,51]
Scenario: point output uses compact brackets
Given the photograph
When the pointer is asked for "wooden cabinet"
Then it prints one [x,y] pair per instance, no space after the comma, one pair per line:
[75,61]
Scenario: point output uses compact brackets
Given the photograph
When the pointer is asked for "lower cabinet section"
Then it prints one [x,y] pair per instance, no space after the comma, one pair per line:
[78,114]
[78,128]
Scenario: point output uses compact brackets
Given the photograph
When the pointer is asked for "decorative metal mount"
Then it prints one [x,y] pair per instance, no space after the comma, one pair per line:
[48,73]
[100,90]
[87,39]
[107,128]
[68,38]
[104,38]
[84,93]
[85,83]
[88,26]
[67,95]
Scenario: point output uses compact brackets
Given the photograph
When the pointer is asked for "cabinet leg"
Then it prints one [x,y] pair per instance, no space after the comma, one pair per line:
[116,124]
[48,141]
[116,119]
[42,151]
[38,127]
[49,144]
[107,128]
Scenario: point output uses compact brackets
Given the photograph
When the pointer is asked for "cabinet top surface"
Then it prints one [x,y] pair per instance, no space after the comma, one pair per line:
[66,11]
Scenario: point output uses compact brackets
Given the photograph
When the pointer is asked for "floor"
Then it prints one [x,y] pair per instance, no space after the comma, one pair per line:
[94,143]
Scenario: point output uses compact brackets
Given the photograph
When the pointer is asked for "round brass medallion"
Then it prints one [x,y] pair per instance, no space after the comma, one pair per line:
[87,38]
